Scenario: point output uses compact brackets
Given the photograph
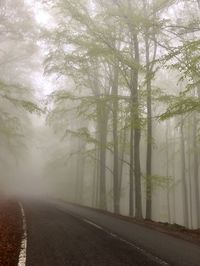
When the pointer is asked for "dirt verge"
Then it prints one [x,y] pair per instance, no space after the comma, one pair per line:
[10,232]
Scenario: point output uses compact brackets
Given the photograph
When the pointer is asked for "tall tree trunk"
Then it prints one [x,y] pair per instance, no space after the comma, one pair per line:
[80,173]
[102,129]
[190,172]
[137,130]
[122,153]
[184,181]
[167,171]
[174,177]
[131,169]
[196,168]
[94,185]
[95,179]
[116,195]
[149,133]
[149,76]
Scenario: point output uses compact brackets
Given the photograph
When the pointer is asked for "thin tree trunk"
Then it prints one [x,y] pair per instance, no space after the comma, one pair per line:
[116,196]
[174,177]
[102,128]
[122,153]
[149,134]
[196,169]
[184,181]
[167,172]
[131,169]
[97,198]
[149,34]
[95,180]
[80,173]
[137,132]
[189,173]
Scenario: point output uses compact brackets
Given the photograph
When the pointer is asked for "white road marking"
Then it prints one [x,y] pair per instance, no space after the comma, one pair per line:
[22,255]
[93,224]
[141,250]
[113,235]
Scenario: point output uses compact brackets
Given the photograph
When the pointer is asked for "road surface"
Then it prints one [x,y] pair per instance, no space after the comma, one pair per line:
[61,234]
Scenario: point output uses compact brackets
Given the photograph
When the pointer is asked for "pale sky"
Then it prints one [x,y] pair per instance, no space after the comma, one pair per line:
[42,16]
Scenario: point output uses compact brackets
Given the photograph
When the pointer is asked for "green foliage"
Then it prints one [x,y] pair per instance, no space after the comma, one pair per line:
[82,133]
[180,105]
[14,93]
[160,181]
[186,60]
[15,105]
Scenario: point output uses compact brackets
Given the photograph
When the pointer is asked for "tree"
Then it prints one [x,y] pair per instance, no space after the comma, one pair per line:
[16,92]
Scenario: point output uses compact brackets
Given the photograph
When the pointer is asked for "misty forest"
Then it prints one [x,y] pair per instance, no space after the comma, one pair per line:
[99,105]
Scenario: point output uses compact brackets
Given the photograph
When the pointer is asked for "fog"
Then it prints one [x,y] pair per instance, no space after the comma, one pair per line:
[99,105]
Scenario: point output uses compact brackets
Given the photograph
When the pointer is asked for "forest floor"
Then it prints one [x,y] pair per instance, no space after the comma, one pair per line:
[10,232]
[174,230]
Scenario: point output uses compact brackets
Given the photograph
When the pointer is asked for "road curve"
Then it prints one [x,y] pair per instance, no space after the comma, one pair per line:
[65,234]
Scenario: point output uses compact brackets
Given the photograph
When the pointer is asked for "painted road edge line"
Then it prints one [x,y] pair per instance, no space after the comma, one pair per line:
[146,253]
[22,255]
[93,224]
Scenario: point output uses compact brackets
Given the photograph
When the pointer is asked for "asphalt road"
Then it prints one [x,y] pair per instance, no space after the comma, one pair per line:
[65,234]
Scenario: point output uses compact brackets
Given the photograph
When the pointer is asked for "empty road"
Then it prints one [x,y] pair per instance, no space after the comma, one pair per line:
[65,234]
